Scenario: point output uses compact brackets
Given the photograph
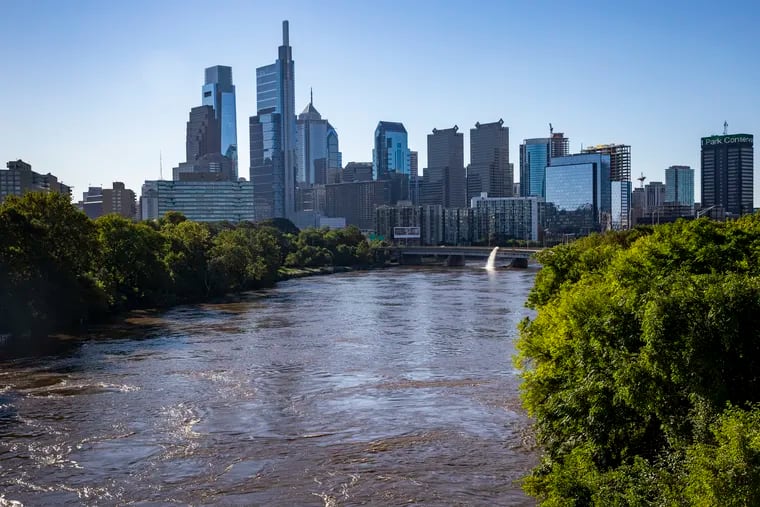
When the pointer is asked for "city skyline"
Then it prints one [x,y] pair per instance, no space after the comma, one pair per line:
[109,86]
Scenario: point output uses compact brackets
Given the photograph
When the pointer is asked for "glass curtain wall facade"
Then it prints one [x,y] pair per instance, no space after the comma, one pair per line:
[391,151]
[198,200]
[275,104]
[219,93]
[578,194]
[534,157]
[679,185]
[267,176]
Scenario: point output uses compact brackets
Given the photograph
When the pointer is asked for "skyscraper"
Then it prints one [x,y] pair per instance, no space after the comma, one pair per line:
[273,135]
[535,155]
[445,181]
[489,169]
[219,93]
[391,159]
[727,167]
[679,185]
[202,133]
[317,152]
[391,152]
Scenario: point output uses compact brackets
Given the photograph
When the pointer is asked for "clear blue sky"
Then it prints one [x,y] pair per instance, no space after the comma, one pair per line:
[93,91]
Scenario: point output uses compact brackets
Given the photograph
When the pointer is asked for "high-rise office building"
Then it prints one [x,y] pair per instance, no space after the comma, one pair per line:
[727,173]
[489,169]
[391,159]
[445,180]
[578,193]
[272,130]
[679,185]
[202,133]
[199,201]
[219,93]
[317,152]
[535,155]
[391,151]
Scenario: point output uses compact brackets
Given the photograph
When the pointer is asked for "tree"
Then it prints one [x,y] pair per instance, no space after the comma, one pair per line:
[187,258]
[130,266]
[642,343]
[47,250]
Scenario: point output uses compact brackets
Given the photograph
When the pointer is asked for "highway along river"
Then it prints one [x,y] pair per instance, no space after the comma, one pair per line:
[390,387]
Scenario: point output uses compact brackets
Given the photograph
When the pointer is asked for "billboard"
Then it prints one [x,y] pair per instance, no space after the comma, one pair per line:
[406,233]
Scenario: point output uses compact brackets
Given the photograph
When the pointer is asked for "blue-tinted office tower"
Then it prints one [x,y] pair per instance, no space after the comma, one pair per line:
[219,93]
[391,158]
[273,135]
[535,155]
[317,153]
[578,194]
[679,185]
[391,152]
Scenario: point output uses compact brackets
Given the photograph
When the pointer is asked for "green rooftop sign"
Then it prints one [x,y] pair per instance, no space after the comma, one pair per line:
[729,139]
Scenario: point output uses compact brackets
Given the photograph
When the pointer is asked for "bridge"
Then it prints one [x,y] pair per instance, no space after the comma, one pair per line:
[456,255]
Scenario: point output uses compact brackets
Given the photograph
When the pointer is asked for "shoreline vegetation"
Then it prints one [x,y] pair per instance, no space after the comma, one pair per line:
[61,271]
[641,367]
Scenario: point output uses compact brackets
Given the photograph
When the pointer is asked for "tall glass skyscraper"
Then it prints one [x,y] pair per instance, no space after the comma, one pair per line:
[535,155]
[391,152]
[391,159]
[274,175]
[219,93]
[317,153]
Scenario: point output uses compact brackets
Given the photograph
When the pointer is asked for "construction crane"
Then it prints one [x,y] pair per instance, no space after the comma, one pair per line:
[641,179]
[551,130]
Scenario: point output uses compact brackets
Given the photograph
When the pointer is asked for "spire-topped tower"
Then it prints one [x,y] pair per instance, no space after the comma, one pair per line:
[273,165]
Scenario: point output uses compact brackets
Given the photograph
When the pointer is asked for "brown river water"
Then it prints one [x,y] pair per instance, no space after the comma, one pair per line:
[392,387]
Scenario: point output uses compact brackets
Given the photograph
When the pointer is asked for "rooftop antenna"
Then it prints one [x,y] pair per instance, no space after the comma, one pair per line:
[725,128]
[311,95]
[641,180]
[551,130]
[160,165]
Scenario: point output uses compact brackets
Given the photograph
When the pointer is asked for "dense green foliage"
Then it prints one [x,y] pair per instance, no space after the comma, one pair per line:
[59,269]
[642,367]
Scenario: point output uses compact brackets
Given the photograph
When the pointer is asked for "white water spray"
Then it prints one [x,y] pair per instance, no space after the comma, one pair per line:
[492,259]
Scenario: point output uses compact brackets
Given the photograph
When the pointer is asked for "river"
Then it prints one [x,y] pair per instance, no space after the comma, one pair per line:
[391,387]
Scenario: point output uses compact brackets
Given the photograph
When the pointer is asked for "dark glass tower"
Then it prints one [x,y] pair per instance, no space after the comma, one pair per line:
[445,181]
[727,166]
[219,93]
[489,170]
[275,104]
